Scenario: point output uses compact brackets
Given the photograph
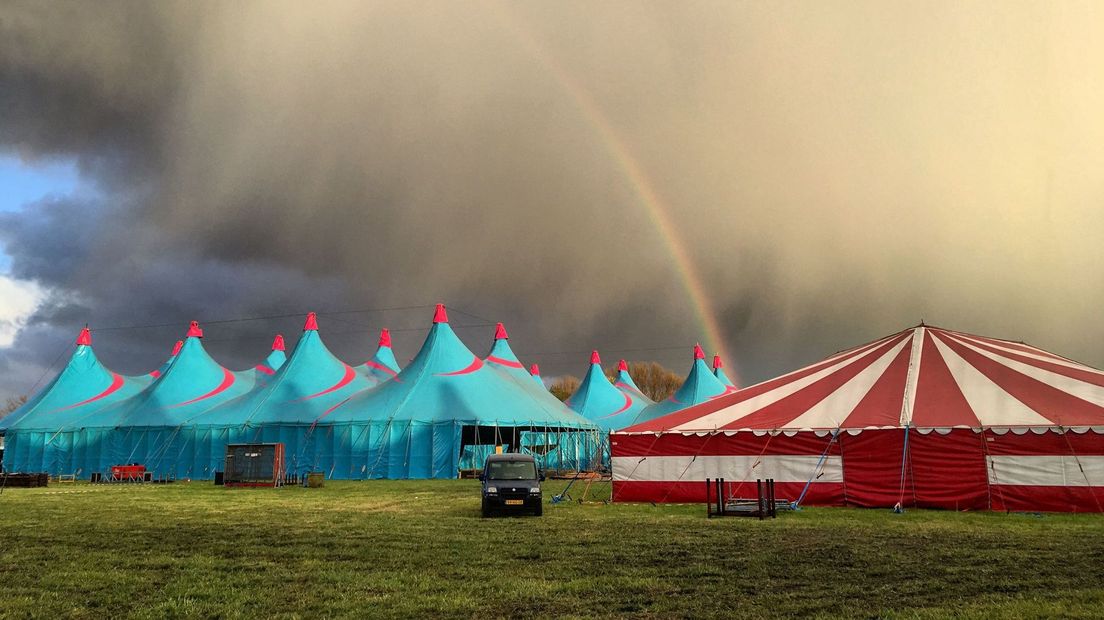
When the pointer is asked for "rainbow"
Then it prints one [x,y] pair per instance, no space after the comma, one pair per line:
[657,211]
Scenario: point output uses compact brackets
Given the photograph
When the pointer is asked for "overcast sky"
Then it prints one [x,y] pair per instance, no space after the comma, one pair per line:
[822,173]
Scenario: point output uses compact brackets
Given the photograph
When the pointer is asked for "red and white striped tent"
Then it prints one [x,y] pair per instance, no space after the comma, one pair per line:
[926,417]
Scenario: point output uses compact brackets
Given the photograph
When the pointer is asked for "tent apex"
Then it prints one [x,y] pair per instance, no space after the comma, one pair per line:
[500,332]
[385,338]
[85,337]
[278,343]
[312,322]
[595,358]
[717,362]
[440,315]
[622,365]
[699,353]
[194,330]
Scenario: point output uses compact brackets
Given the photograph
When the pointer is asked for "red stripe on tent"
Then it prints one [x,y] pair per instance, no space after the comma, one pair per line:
[1015,497]
[629,388]
[331,410]
[350,374]
[227,381]
[819,494]
[502,362]
[379,366]
[691,413]
[1018,346]
[474,366]
[781,412]
[628,403]
[939,400]
[1056,405]
[264,369]
[882,404]
[1081,374]
[155,373]
[116,383]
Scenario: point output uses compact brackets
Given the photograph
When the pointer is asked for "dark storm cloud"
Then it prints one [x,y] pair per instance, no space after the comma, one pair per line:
[836,173]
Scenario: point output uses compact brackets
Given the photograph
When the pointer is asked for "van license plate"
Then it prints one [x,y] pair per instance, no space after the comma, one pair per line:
[515,502]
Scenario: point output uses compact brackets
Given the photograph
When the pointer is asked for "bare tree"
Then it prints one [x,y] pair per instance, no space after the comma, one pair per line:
[13,403]
[654,380]
[564,387]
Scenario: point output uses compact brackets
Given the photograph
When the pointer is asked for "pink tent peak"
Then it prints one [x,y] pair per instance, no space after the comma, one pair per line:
[194,330]
[622,365]
[278,343]
[439,315]
[500,332]
[85,337]
[385,338]
[534,370]
[177,347]
[717,363]
[699,354]
[594,357]
[312,322]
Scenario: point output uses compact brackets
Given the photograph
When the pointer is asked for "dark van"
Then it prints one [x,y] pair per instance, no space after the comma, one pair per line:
[511,483]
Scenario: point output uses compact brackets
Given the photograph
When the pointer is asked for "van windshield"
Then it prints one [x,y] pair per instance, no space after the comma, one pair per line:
[511,470]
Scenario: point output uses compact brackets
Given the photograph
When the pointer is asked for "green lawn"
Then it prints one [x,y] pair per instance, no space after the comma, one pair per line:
[419,548]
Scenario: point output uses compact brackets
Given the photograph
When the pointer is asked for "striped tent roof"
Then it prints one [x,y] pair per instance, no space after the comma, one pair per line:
[923,377]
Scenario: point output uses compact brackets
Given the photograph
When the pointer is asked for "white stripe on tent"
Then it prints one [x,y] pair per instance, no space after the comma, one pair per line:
[834,408]
[1050,471]
[912,377]
[727,415]
[736,468]
[1080,389]
[990,403]
[1060,361]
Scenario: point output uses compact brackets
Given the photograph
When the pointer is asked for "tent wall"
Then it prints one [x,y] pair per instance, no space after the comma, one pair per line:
[947,471]
[346,451]
[1051,471]
[673,467]
[872,467]
[960,469]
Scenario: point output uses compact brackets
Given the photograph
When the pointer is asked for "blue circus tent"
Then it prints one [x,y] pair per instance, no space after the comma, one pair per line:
[610,407]
[383,366]
[151,428]
[307,386]
[35,436]
[266,369]
[419,424]
[700,385]
[555,450]
[625,383]
[719,372]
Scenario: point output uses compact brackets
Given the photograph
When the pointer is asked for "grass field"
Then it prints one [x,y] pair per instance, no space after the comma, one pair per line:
[419,548]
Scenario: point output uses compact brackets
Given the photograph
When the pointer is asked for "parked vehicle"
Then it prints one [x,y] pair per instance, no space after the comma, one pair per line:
[511,483]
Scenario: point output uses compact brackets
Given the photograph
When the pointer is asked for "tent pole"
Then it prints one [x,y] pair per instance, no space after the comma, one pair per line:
[904,463]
